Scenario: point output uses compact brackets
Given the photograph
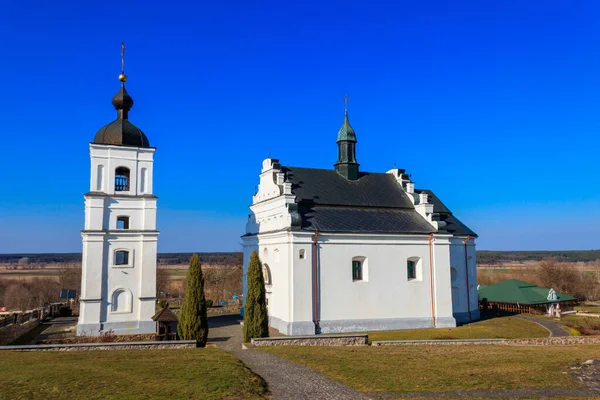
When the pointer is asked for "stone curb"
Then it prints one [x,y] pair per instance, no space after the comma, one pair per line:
[175,344]
[313,340]
[549,341]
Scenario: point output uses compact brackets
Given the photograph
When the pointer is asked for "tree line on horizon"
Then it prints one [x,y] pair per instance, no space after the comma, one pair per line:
[235,258]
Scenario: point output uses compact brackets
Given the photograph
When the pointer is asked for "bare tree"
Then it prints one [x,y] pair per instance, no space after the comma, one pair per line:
[162,281]
[69,276]
[566,278]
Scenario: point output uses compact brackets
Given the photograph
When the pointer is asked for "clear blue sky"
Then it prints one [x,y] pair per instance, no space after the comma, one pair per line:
[493,105]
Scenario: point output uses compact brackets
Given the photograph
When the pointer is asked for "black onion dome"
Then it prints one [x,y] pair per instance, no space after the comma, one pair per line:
[121,132]
[122,100]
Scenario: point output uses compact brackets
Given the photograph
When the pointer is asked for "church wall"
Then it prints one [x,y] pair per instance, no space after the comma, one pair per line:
[457,260]
[274,251]
[302,308]
[442,281]
[385,298]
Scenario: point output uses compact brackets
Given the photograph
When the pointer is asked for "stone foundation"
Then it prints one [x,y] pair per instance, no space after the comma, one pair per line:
[549,341]
[175,344]
[315,340]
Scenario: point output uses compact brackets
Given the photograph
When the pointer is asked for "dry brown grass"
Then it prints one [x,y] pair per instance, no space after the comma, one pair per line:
[441,368]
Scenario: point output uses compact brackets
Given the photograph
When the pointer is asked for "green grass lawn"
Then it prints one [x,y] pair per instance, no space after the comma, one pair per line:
[501,327]
[441,368]
[127,374]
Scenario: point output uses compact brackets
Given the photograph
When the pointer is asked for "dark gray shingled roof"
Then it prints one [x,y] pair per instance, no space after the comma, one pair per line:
[327,187]
[374,203]
[363,219]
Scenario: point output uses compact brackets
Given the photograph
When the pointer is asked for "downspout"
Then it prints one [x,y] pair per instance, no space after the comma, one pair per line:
[431,280]
[315,285]
[467,276]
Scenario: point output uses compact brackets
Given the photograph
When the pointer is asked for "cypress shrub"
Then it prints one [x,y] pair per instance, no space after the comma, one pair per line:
[256,319]
[193,321]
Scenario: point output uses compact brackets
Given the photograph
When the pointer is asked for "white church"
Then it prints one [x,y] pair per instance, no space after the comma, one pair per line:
[118,290]
[345,250]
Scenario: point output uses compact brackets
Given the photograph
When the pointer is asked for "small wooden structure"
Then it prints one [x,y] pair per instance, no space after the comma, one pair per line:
[166,324]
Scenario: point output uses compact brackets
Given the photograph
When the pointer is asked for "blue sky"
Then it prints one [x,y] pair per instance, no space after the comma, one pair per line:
[493,105]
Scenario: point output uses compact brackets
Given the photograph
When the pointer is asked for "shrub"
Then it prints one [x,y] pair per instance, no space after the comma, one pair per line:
[256,319]
[193,321]
[209,303]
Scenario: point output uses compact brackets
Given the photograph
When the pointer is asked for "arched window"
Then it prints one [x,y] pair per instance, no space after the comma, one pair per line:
[267,274]
[121,257]
[120,301]
[122,179]
[122,222]
[265,256]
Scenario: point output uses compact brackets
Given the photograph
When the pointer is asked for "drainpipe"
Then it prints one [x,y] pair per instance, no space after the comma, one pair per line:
[467,276]
[431,279]
[315,284]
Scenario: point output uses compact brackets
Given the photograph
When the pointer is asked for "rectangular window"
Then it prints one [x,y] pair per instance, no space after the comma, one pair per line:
[122,222]
[411,270]
[357,270]
[121,257]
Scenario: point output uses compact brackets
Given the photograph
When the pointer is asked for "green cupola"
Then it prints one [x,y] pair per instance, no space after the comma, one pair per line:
[346,164]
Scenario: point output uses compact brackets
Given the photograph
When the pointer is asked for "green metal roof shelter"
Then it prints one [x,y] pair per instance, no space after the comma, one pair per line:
[516,291]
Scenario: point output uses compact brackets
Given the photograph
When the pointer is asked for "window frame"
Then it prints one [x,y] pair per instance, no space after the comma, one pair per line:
[129,258]
[125,219]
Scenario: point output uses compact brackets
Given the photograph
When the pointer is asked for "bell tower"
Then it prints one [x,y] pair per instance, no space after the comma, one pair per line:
[346,164]
[118,288]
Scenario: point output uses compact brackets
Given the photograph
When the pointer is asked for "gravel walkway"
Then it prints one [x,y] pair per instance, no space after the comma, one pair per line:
[225,331]
[291,381]
[554,328]
[286,380]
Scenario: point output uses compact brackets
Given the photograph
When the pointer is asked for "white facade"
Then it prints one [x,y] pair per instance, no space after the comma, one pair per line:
[309,277]
[118,290]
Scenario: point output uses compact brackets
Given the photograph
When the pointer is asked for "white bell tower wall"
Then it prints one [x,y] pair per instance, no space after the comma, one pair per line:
[119,243]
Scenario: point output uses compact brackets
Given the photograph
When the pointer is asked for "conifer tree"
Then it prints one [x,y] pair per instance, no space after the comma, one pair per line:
[256,319]
[193,321]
